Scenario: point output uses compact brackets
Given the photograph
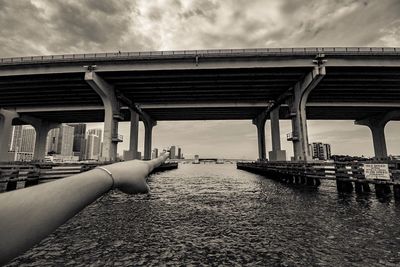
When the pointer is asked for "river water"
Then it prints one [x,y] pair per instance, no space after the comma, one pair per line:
[216,215]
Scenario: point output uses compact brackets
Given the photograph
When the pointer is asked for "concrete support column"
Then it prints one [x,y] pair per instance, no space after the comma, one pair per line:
[42,129]
[377,127]
[379,140]
[111,114]
[6,119]
[276,154]
[148,131]
[134,133]
[297,105]
[259,122]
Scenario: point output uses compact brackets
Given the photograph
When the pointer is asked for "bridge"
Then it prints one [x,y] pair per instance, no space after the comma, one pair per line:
[296,84]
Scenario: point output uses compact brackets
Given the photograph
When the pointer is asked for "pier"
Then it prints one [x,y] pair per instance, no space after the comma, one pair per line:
[15,176]
[348,176]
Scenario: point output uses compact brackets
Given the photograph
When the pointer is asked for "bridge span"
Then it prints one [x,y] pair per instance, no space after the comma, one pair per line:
[297,84]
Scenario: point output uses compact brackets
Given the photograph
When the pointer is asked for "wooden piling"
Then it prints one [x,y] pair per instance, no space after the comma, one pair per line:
[12,182]
[32,178]
[396,191]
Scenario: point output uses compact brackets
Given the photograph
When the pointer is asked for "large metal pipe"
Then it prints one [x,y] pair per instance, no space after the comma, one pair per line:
[28,215]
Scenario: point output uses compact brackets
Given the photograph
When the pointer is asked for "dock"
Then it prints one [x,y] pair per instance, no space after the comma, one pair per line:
[20,175]
[348,176]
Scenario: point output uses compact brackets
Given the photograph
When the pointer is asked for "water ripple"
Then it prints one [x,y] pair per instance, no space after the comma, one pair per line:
[216,215]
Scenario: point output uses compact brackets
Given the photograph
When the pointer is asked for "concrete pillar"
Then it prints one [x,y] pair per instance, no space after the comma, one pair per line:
[297,105]
[148,131]
[134,133]
[276,154]
[378,136]
[111,114]
[377,127]
[259,122]
[42,129]
[6,119]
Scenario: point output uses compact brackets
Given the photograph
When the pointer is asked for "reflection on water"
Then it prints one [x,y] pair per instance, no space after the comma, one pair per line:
[217,215]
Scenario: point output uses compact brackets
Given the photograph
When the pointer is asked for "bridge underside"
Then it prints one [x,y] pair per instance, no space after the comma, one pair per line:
[175,114]
[360,84]
[345,93]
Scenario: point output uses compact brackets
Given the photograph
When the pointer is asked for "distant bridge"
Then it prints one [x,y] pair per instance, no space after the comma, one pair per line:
[360,84]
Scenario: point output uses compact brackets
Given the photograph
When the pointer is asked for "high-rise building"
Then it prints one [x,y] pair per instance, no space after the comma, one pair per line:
[320,151]
[179,156]
[60,140]
[22,143]
[28,137]
[154,154]
[93,144]
[79,145]
[92,147]
[98,132]
[16,140]
[172,153]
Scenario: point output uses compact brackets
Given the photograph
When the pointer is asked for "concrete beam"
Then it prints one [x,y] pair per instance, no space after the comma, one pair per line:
[262,104]
[111,114]
[354,104]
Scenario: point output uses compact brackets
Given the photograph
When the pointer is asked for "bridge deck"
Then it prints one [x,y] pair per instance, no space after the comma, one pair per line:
[203,84]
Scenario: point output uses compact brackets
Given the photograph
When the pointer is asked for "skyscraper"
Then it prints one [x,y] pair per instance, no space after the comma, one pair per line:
[16,140]
[79,145]
[60,140]
[93,144]
[172,153]
[92,147]
[155,153]
[179,153]
[28,137]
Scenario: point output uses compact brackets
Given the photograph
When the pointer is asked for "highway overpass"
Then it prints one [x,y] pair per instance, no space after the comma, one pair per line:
[360,84]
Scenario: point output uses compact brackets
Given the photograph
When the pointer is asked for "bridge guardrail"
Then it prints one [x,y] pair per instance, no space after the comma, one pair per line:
[210,52]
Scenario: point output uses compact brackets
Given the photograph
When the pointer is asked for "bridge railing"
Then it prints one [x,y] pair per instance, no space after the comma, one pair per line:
[211,52]
[30,214]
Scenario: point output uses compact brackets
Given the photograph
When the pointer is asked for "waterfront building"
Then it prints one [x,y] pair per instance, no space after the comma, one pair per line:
[320,151]
[172,152]
[154,153]
[28,139]
[16,139]
[79,144]
[196,159]
[93,146]
[22,143]
[60,140]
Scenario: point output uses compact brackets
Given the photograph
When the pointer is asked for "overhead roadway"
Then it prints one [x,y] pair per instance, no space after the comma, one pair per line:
[203,84]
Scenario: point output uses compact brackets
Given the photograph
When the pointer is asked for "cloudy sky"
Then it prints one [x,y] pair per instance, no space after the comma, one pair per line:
[40,27]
